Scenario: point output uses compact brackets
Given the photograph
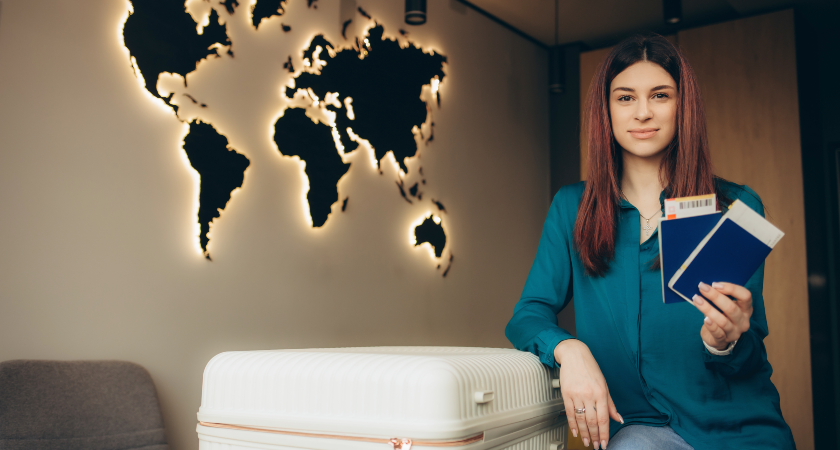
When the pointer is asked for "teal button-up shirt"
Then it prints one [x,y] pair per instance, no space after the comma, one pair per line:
[651,354]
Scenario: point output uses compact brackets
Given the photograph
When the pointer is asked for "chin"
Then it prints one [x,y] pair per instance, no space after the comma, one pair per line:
[645,150]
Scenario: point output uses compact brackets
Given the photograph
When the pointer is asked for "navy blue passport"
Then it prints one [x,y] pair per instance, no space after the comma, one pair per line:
[677,239]
[731,252]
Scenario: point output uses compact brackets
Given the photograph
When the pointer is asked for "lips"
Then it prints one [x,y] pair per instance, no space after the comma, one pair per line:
[643,133]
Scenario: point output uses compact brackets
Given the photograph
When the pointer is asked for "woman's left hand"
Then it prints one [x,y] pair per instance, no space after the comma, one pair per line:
[721,328]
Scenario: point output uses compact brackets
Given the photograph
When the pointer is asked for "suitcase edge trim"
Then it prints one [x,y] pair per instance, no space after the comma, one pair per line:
[247,440]
[454,443]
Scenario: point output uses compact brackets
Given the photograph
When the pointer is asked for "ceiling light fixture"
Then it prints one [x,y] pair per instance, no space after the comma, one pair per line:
[556,58]
[672,9]
[415,12]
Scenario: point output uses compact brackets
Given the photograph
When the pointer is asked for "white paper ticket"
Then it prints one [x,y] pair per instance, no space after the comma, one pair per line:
[677,208]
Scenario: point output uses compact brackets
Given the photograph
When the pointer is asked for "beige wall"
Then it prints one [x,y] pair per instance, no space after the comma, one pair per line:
[747,73]
[752,106]
[98,257]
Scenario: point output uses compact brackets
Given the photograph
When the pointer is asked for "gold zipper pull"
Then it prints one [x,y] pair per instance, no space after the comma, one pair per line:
[400,444]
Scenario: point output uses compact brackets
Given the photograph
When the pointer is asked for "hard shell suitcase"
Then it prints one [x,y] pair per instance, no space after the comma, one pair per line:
[381,398]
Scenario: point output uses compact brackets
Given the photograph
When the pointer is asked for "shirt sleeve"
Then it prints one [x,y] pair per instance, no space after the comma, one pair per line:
[750,354]
[548,289]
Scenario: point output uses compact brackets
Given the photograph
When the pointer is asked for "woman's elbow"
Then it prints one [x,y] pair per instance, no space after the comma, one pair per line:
[512,331]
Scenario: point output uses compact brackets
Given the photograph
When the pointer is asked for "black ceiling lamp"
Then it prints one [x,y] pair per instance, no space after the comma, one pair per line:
[556,58]
[415,12]
[672,10]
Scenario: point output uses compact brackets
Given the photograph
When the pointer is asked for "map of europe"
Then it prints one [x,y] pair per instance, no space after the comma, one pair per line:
[372,85]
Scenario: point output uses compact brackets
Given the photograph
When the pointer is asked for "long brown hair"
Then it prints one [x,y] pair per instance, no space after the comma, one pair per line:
[686,168]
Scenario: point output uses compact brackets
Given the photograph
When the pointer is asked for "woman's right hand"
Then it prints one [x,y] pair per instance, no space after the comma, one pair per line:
[583,386]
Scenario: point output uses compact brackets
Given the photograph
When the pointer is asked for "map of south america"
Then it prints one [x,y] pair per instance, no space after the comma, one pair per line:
[208,151]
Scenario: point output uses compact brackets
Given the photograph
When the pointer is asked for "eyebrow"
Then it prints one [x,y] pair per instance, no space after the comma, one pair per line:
[656,88]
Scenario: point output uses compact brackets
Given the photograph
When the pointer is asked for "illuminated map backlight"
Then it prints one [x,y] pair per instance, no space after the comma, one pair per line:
[375,90]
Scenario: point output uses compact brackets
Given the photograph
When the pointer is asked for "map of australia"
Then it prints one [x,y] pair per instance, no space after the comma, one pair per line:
[371,87]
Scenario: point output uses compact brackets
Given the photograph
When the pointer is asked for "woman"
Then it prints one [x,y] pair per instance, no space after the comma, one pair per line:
[676,376]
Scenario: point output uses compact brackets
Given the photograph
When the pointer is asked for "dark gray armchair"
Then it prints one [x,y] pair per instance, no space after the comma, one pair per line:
[78,405]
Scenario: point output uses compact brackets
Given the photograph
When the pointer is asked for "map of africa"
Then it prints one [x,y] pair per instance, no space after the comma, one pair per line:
[373,88]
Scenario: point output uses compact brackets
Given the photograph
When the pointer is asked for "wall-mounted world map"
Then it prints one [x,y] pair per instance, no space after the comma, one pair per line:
[370,84]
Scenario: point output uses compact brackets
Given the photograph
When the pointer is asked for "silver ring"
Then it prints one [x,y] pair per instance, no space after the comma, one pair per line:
[580,410]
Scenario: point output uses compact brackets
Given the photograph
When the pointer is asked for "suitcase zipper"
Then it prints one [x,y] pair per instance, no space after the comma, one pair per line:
[401,444]
[395,443]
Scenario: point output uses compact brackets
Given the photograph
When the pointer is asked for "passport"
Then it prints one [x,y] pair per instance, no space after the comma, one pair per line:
[677,239]
[731,252]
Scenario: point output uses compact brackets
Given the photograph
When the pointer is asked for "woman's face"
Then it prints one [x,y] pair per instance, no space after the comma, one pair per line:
[643,109]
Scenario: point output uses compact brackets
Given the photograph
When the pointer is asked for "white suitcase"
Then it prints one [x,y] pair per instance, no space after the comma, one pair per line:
[381,398]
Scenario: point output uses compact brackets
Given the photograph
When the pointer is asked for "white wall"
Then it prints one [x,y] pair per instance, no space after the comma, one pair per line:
[97,252]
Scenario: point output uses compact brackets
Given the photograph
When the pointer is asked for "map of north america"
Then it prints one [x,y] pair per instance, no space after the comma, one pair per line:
[372,87]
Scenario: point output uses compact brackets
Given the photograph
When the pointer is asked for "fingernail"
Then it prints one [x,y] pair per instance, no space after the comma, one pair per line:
[604,444]
[698,300]
[595,445]
[622,419]
[585,442]
[707,320]
[574,432]
[703,287]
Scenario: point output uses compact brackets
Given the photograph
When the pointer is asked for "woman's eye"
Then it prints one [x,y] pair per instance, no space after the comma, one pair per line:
[660,95]
[624,98]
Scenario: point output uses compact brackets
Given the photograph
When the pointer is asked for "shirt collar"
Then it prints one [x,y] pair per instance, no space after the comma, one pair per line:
[662,197]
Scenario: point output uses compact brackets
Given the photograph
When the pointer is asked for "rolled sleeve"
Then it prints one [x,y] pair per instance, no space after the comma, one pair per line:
[547,291]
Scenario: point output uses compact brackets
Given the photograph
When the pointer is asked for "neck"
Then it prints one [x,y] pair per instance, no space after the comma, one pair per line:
[640,180]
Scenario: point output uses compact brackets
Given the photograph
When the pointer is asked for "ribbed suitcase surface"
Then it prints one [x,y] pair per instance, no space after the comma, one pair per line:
[431,395]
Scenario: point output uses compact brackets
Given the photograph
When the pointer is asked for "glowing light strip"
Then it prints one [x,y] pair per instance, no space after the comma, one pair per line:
[318,63]
[201,18]
[348,103]
[307,213]
[337,139]
[142,82]
[249,18]
[129,10]
[412,238]
[196,177]
[331,98]
[393,161]
[371,152]
[315,99]
[139,76]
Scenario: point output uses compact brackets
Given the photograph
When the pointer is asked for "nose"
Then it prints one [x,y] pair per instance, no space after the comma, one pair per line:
[643,112]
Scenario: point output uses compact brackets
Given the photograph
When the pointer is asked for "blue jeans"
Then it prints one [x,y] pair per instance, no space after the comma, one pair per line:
[642,437]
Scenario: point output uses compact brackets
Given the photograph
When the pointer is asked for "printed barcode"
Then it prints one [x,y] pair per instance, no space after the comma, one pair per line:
[696,203]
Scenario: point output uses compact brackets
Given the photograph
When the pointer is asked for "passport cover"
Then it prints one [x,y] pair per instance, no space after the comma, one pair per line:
[731,254]
[677,239]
